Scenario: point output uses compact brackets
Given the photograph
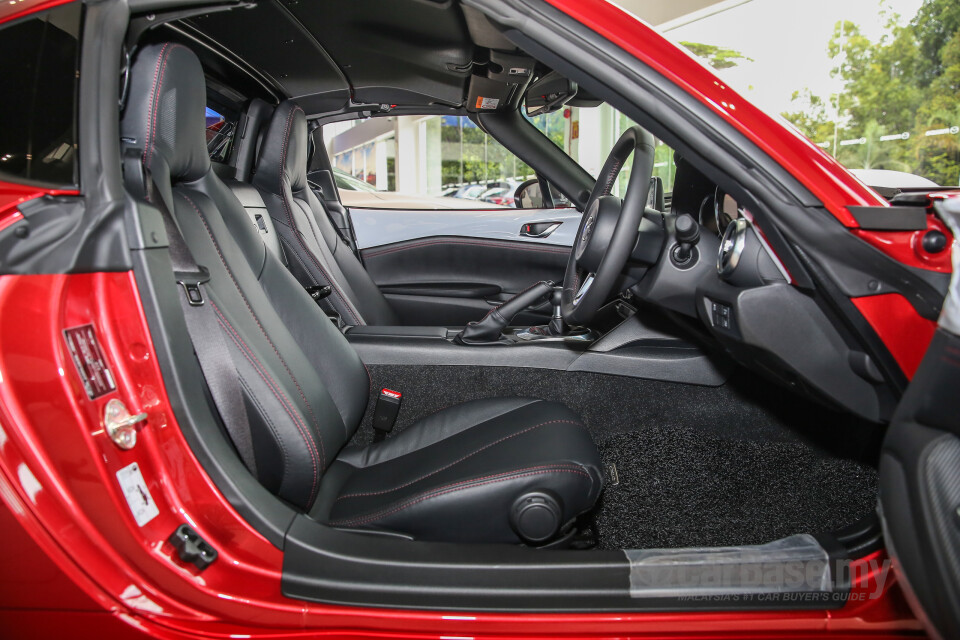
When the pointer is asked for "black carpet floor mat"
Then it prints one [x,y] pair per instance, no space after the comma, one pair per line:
[679,488]
[743,463]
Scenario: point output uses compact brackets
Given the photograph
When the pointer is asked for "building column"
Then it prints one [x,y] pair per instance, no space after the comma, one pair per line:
[407,163]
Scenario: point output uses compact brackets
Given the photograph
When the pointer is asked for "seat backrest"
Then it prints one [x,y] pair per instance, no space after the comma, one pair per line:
[304,386]
[315,252]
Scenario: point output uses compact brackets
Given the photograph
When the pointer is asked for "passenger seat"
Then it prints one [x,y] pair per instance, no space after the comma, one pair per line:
[315,252]
[497,470]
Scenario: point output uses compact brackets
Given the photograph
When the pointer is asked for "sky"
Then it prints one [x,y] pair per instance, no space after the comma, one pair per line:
[788,42]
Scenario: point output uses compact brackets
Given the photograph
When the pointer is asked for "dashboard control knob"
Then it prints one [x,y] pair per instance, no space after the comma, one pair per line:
[688,234]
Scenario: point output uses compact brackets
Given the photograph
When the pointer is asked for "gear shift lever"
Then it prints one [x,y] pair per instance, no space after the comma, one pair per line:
[557,326]
[488,329]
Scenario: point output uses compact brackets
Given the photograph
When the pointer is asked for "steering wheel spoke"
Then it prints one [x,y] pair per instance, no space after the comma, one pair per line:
[584,288]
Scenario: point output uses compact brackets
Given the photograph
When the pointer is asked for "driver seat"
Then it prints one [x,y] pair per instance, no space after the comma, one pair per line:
[505,470]
[317,256]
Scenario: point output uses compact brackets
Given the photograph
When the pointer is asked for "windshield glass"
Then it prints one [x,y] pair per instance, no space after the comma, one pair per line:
[875,84]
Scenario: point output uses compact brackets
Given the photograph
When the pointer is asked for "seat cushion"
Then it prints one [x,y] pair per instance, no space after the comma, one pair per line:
[455,476]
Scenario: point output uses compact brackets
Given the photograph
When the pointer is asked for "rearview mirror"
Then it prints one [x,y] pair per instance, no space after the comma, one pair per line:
[549,93]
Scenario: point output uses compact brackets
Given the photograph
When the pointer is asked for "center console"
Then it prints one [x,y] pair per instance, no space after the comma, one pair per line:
[640,344]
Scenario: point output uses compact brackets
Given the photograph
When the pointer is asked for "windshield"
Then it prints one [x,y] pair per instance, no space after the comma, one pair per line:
[875,84]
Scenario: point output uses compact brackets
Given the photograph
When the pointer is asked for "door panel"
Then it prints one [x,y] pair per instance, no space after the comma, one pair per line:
[450,267]
[376,227]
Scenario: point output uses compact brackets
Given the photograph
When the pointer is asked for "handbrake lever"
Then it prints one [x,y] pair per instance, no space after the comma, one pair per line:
[492,325]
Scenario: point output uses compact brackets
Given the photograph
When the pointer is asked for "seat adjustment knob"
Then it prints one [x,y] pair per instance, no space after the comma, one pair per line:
[536,517]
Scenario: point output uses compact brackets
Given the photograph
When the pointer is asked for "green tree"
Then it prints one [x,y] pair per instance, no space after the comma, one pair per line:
[716,57]
[895,90]
[813,118]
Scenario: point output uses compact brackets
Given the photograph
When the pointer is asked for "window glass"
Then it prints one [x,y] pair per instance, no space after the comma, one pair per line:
[38,96]
[449,162]
[426,161]
[873,83]
[588,135]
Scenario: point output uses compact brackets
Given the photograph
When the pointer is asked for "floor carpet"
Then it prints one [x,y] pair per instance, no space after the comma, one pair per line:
[743,463]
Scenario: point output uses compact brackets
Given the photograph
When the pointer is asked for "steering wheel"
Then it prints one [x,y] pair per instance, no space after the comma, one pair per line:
[608,229]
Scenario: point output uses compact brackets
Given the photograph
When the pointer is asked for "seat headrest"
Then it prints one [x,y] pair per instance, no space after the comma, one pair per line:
[165,112]
[283,153]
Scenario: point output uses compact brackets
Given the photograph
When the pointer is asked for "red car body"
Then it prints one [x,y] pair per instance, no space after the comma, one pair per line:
[74,559]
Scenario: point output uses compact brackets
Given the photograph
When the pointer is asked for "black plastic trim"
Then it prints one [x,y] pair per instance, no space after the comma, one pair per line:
[326,565]
[889,218]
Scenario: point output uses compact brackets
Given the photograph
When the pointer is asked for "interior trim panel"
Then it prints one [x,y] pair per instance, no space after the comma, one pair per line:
[377,227]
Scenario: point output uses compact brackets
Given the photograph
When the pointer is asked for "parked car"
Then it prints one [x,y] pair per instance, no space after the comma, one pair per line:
[225,414]
[361,195]
[499,195]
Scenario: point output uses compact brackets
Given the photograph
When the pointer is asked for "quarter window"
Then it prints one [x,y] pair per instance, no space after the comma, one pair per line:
[38,105]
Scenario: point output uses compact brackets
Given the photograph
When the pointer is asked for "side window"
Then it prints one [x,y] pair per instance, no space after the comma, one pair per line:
[429,162]
[220,130]
[38,107]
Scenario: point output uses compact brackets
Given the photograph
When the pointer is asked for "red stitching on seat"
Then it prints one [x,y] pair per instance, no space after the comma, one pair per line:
[294,415]
[151,114]
[293,224]
[313,417]
[444,468]
[467,484]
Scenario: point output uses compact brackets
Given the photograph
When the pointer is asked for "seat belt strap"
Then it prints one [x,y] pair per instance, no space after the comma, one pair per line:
[208,340]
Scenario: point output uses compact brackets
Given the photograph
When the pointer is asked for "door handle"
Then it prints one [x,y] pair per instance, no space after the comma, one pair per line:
[539,229]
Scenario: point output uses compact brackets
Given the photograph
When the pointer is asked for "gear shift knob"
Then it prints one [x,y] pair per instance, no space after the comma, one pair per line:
[557,326]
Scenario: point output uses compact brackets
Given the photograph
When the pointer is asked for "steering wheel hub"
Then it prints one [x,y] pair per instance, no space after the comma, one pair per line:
[598,232]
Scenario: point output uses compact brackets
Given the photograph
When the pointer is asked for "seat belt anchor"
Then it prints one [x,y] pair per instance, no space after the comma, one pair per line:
[191,281]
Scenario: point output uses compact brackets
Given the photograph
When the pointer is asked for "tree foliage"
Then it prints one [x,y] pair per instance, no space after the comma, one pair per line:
[894,91]
[716,57]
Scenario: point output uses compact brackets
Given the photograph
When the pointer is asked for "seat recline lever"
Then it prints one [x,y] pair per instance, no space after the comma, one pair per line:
[492,325]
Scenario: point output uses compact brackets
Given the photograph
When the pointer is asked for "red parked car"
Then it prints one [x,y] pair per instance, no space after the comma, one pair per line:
[232,407]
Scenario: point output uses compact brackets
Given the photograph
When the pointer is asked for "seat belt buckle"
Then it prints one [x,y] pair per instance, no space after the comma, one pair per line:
[385,413]
[191,281]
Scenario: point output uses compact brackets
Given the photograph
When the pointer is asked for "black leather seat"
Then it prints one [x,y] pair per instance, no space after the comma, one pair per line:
[315,252]
[468,473]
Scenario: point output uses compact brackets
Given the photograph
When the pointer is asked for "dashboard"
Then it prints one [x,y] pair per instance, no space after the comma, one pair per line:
[742,296]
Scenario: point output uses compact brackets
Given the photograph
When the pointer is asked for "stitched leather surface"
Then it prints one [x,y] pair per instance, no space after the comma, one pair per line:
[452,476]
[317,254]
[305,402]
[458,472]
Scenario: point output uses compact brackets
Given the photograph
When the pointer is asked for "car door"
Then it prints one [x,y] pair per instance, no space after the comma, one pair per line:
[444,260]
[920,470]
[451,266]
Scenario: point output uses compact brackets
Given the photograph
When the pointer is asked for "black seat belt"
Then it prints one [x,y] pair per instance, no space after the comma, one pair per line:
[208,340]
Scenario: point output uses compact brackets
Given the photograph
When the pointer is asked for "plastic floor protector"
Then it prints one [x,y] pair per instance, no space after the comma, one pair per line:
[796,564]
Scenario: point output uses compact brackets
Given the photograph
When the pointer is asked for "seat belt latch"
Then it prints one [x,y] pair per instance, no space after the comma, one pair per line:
[385,413]
[191,281]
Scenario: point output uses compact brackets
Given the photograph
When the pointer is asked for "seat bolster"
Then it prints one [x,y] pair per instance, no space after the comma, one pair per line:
[335,361]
